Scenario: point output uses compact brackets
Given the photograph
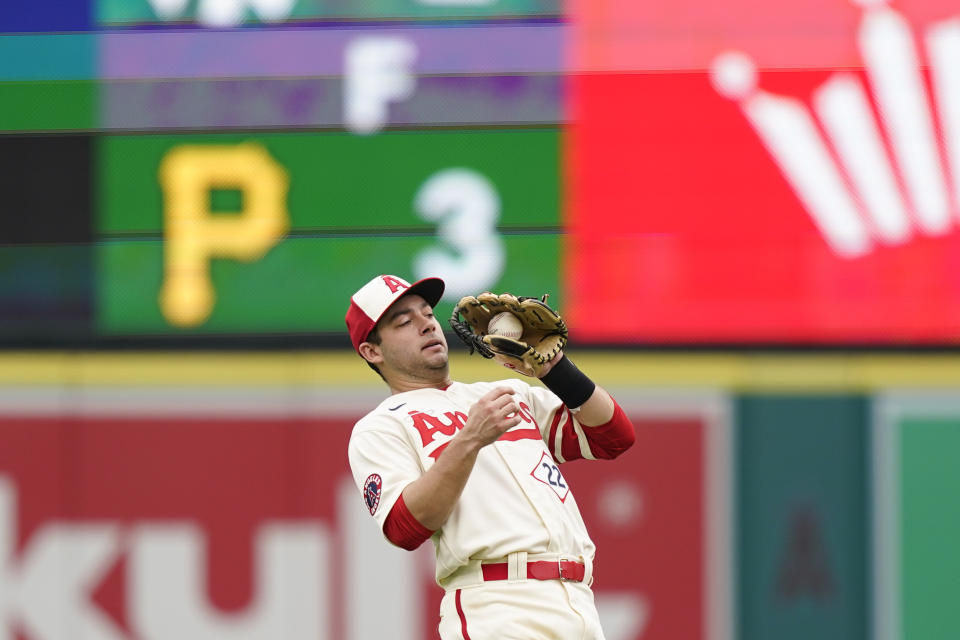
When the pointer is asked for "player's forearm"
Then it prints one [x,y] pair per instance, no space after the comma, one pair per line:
[577,391]
[432,497]
[609,437]
[597,410]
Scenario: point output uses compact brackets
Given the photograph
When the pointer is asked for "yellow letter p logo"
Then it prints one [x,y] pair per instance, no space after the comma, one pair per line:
[193,235]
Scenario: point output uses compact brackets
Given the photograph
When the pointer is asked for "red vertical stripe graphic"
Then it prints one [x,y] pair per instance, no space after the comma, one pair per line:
[463,618]
[569,442]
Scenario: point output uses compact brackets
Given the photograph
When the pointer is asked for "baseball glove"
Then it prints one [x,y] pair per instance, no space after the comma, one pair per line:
[544,332]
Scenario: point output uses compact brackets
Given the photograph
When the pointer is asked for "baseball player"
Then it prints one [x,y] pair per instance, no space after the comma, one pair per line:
[476,467]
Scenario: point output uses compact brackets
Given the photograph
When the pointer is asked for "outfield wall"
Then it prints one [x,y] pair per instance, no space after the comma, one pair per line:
[149,495]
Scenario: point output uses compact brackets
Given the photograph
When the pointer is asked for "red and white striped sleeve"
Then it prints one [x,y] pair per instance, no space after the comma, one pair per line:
[568,440]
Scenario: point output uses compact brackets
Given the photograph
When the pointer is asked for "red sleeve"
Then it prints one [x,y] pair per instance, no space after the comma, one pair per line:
[609,440]
[402,529]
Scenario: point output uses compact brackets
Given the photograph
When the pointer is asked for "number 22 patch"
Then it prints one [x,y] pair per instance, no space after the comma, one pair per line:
[549,474]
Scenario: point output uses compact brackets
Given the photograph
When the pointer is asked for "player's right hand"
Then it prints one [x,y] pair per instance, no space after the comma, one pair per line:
[493,414]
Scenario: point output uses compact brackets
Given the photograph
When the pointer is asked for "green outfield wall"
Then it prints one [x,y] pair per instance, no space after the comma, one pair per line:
[803,539]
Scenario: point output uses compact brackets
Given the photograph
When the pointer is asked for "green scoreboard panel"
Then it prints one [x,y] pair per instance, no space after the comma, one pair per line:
[119,12]
[348,205]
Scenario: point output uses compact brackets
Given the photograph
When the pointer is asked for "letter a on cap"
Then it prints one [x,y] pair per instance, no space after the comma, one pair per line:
[395,284]
[370,302]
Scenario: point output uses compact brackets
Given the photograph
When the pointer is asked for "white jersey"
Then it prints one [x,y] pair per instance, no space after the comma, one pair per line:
[516,499]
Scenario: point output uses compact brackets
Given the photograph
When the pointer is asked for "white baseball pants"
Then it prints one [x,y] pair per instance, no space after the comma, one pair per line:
[520,610]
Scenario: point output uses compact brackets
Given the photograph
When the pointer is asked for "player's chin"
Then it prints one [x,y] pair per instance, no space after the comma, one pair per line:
[436,356]
[440,357]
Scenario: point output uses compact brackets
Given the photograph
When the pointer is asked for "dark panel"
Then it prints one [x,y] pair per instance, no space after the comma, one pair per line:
[45,293]
[45,191]
[46,254]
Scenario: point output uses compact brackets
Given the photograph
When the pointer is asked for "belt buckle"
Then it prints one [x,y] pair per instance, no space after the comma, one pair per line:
[560,562]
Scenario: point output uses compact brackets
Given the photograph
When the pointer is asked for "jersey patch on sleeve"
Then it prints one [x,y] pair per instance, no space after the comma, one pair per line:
[372,488]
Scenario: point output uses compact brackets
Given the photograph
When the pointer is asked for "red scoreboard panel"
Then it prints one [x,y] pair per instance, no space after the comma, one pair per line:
[757,172]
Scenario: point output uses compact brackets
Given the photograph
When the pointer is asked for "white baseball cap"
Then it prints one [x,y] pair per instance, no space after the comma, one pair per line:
[373,299]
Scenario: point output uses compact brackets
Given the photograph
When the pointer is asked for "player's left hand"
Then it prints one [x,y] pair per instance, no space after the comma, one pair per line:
[544,332]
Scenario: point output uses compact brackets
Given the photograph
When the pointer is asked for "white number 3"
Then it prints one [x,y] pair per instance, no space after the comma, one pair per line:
[470,256]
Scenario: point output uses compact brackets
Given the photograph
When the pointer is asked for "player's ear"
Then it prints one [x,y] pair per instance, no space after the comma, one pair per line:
[371,352]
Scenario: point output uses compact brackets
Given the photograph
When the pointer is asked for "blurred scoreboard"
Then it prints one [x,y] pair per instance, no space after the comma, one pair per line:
[234,169]
[313,145]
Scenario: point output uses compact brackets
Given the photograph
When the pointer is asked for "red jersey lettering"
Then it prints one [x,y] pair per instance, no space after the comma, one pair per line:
[427,425]
[526,415]
[523,434]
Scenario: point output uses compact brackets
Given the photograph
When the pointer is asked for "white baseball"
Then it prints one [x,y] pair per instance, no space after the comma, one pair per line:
[505,324]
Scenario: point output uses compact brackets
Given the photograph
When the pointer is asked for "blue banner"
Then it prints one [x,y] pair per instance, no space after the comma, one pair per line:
[45,16]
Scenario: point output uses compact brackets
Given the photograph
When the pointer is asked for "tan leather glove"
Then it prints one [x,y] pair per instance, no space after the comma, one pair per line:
[544,332]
